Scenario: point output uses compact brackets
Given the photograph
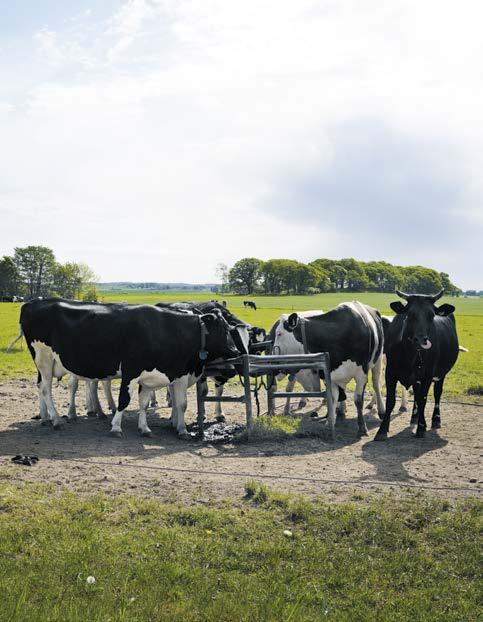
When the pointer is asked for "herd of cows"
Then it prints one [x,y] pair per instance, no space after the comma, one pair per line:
[170,344]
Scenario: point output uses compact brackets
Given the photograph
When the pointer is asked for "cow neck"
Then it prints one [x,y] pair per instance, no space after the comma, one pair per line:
[303,322]
[203,353]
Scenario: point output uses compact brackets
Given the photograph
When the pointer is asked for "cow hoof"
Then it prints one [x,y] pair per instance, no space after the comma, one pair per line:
[220,419]
[403,409]
[381,436]
[91,413]
[146,434]
[420,433]
[361,433]
[436,425]
[116,433]
[185,436]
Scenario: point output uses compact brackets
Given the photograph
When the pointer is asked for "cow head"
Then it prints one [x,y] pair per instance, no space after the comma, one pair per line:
[219,342]
[285,341]
[419,313]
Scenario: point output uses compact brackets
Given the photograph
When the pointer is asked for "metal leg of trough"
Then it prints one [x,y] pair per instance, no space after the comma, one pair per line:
[201,407]
[328,387]
[271,387]
[248,394]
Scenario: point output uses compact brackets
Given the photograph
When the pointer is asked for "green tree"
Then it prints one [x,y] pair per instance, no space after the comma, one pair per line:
[245,275]
[36,266]
[10,282]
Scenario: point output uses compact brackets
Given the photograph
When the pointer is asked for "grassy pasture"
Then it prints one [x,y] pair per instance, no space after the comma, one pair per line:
[413,559]
[469,316]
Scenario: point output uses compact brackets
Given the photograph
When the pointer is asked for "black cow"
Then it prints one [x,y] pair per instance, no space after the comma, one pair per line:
[148,346]
[421,348]
[247,337]
[353,336]
[250,304]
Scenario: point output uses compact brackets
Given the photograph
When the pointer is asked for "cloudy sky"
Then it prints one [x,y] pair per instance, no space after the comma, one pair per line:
[155,138]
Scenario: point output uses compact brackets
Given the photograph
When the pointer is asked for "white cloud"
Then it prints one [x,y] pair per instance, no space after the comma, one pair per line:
[151,144]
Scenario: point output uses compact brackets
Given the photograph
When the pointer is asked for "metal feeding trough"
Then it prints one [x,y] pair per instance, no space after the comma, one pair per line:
[253,366]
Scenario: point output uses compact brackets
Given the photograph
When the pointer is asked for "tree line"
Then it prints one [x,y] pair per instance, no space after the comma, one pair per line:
[287,276]
[33,272]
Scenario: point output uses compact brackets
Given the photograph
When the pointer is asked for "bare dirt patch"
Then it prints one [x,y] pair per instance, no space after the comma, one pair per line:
[84,458]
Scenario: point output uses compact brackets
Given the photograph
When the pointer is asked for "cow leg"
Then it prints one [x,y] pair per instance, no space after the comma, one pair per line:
[414,413]
[404,400]
[180,402]
[43,412]
[361,382]
[169,401]
[94,387]
[153,402]
[89,404]
[123,403]
[144,400]
[331,411]
[421,395]
[341,410]
[383,431]
[289,389]
[218,409]
[73,386]
[376,383]
[46,390]
[438,390]
[107,388]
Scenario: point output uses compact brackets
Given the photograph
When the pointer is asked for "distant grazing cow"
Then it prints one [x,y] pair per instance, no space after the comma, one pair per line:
[421,348]
[353,336]
[148,346]
[250,304]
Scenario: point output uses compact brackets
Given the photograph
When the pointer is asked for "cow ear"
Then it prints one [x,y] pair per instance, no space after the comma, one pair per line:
[208,319]
[398,307]
[293,320]
[445,309]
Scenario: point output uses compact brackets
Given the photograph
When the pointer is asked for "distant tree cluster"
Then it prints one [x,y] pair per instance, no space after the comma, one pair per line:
[33,271]
[287,276]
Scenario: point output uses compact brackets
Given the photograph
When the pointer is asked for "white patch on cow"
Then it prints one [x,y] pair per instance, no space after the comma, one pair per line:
[435,379]
[244,336]
[345,372]
[427,345]
[153,379]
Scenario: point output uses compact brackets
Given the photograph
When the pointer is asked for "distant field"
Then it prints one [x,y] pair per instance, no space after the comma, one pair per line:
[465,378]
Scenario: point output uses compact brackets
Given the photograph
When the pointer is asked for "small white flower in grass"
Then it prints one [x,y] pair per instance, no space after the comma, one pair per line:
[90,580]
[288,533]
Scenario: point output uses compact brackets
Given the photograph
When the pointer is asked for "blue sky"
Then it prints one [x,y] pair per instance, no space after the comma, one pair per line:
[154,139]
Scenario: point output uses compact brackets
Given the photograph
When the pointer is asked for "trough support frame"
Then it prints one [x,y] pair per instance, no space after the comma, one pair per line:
[253,365]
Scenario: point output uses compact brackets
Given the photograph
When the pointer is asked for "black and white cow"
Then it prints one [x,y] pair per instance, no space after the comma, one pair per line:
[353,336]
[250,304]
[147,346]
[421,348]
[292,346]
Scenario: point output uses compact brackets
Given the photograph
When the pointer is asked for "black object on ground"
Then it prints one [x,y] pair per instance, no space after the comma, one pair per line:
[25,460]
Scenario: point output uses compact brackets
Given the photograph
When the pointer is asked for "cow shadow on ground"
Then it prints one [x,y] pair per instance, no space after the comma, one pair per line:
[390,457]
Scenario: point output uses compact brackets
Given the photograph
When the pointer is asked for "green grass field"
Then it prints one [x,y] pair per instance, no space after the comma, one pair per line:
[385,560]
[464,381]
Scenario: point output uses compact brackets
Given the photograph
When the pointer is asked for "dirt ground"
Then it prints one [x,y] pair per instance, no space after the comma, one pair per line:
[83,457]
